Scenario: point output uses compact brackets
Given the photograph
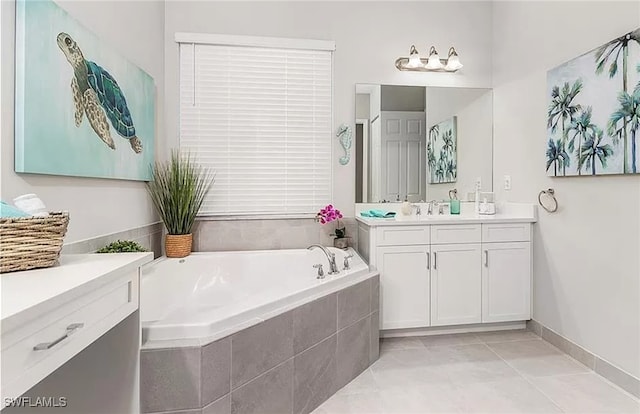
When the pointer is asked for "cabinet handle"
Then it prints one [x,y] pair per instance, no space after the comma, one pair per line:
[486,258]
[428,261]
[48,345]
[435,260]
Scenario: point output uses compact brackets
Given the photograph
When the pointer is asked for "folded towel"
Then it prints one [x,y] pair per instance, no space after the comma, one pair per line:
[9,211]
[378,213]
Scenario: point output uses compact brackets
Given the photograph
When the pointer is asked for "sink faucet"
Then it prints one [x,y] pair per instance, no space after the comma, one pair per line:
[418,209]
[330,256]
[430,207]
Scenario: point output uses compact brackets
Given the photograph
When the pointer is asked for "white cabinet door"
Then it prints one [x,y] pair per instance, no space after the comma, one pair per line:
[404,286]
[506,282]
[455,284]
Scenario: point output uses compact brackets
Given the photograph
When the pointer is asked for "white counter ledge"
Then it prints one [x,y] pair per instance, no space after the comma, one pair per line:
[444,219]
[507,213]
[50,315]
[26,295]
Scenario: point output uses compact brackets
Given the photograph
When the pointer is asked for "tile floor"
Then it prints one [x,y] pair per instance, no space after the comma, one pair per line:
[494,372]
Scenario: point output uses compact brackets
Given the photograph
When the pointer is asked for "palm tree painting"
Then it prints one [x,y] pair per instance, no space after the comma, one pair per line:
[593,118]
[609,53]
[556,156]
[592,151]
[562,110]
[627,118]
[579,128]
[442,158]
[431,156]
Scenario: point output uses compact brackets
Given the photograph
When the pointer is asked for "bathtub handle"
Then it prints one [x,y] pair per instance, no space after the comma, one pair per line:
[347,266]
[320,270]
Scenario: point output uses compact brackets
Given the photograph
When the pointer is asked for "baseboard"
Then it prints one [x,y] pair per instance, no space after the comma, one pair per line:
[440,330]
[600,366]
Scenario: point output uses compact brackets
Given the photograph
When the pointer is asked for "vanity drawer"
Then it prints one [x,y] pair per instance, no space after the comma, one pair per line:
[508,232]
[41,346]
[455,233]
[402,235]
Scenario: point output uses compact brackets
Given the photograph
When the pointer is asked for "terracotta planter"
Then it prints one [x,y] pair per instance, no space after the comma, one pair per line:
[178,245]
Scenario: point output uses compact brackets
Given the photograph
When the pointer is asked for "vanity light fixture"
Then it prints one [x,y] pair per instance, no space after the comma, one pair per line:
[431,64]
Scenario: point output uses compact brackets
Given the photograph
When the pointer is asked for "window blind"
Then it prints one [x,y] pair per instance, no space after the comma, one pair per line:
[261,118]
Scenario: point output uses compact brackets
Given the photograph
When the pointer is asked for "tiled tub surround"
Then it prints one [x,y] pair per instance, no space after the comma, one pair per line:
[265,234]
[149,236]
[289,363]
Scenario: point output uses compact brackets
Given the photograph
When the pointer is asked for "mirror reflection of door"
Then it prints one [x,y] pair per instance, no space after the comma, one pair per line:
[402,156]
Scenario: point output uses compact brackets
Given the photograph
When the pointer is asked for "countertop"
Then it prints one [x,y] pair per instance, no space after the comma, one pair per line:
[425,220]
[26,295]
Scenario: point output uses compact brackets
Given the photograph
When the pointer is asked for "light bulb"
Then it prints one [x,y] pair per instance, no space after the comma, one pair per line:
[414,58]
[453,61]
[434,60]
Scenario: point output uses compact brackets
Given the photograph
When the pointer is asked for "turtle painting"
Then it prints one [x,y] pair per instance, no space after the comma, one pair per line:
[97,95]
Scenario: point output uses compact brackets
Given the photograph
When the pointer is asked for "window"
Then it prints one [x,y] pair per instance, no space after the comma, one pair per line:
[258,111]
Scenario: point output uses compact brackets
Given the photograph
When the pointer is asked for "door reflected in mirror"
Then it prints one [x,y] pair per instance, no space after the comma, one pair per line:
[417,143]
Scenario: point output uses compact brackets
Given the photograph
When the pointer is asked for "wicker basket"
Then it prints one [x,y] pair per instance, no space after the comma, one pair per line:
[31,242]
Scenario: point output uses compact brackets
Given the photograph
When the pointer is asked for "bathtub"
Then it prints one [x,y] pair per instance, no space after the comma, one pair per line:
[227,331]
[209,295]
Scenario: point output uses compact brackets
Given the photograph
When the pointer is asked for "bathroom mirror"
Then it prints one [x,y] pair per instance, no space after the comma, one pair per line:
[416,143]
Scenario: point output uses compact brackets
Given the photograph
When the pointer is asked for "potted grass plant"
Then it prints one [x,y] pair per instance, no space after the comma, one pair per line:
[178,188]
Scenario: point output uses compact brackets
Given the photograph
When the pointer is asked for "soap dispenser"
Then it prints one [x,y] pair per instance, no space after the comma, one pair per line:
[454,203]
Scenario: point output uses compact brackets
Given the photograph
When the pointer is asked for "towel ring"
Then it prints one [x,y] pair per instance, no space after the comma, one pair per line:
[551,193]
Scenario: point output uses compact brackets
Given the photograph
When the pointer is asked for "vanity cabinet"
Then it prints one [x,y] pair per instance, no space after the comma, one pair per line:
[51,315]
[455,284]
[438,275]
[404,286]
[506,282]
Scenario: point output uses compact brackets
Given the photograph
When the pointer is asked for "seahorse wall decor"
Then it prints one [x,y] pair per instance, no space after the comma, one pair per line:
[344,135]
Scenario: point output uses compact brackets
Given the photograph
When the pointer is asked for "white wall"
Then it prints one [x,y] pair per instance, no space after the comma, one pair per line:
[369,37]
[586,256]
[96,206]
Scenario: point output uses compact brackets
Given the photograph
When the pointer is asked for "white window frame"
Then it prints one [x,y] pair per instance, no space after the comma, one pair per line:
[265,42]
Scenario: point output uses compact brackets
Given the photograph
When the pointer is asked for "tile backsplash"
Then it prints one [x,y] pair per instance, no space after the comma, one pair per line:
[265,234]
[149,236]
[228,235]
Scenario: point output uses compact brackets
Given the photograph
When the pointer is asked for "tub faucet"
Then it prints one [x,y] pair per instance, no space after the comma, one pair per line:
[346,263]
[330,256]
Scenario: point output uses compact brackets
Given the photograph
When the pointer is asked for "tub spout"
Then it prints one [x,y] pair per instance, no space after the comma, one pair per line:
[330,256]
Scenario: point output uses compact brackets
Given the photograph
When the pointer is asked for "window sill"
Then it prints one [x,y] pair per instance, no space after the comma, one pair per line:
[257,217]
